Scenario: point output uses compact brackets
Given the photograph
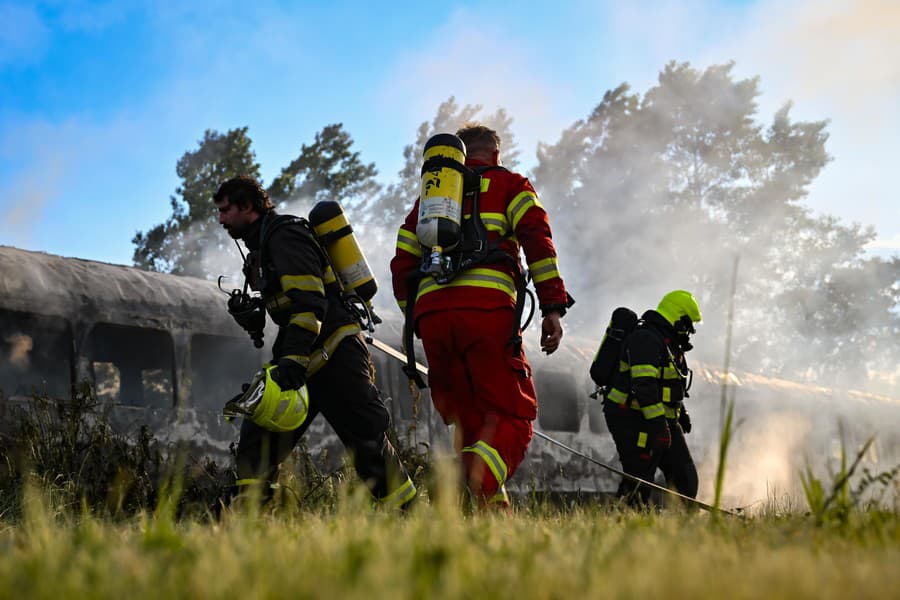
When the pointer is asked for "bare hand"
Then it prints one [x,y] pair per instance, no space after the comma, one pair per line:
[551,333]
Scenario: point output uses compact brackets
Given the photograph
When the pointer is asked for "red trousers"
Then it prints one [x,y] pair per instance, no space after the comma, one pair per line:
[481,388]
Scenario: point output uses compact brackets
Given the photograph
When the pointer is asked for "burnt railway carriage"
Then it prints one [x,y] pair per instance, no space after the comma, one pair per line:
[162,351]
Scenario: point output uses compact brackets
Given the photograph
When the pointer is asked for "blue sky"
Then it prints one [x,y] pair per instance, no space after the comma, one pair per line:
[98,100]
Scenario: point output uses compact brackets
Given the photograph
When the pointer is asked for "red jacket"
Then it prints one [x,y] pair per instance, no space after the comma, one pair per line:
[508,203]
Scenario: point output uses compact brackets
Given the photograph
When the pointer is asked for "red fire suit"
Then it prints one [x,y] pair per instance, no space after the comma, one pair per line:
[476,382]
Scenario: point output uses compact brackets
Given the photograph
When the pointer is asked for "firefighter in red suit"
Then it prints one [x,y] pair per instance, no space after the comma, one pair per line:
[479,376]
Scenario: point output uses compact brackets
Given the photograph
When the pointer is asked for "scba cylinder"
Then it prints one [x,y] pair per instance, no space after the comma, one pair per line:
[440,202]
[334,231]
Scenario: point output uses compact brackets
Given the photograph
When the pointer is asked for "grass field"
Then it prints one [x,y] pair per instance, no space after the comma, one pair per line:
[84,515]
[352,550]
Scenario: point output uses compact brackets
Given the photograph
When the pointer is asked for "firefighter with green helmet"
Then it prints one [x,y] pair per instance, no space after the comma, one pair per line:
[320,362]
[643,403]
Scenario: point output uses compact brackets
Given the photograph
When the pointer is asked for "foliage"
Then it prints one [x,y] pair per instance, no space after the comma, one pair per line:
[191,241]
[181,244]
[658,181]
[358,553]
[70,447]
[325,170]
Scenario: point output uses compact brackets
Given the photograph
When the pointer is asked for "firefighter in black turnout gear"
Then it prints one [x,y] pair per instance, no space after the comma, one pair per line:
[319,343]
[643,405]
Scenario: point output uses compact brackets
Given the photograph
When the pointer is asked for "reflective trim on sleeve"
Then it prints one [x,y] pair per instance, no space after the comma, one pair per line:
[483,278]
[304,283]
[491,457]
[307,321]
[670,373]
[644,371]
[672,413]
[543,270]
[401,495]
[519,206]
[617,396]
[653,411]
[407,240]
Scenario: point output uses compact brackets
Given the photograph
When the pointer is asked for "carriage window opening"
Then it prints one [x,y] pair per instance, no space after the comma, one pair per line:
[557,395]
[136,366]
[219,365]
[36,354]
[107,382]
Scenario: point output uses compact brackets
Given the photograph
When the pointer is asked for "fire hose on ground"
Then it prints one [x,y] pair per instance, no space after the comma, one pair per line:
[423,370]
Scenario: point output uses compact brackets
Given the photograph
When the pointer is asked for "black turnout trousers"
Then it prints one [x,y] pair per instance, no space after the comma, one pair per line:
[343,392]
[676,463]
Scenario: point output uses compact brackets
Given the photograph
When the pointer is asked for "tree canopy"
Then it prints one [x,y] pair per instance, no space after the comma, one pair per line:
[650,192]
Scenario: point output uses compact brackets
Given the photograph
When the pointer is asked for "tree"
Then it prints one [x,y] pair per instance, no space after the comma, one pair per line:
[191,241]
[325,170]
[668,188]
[191,235]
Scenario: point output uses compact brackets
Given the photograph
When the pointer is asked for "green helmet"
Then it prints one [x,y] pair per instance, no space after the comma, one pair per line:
[270,407]
[678,304]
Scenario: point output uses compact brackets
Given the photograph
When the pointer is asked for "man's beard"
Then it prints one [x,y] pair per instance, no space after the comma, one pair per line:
[235,232]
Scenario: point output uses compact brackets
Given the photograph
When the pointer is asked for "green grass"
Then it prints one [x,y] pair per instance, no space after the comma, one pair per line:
[436,552]
[85,514]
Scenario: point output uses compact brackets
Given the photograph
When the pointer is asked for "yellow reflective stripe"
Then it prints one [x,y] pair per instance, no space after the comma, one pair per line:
[519,206]
[407,240]
[329,277]
[300,359]
[484,278]
[543,270]
[671,413]
[501,497]
[402,305]
[666,394]
[653,411]
[485,184]
[617,396]
[495,222]
[644,371]
[278,301]
[319,359]
[623,366]
[401,495]
[307,321]
[491,457]
[642,440]
[304,283]
[670,373]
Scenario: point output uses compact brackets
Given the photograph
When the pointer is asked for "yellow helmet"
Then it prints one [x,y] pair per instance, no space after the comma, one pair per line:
[270,407]
[678,304]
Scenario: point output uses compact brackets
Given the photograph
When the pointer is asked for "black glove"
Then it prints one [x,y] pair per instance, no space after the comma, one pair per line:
[659,436]
[289,374]
[684,420]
